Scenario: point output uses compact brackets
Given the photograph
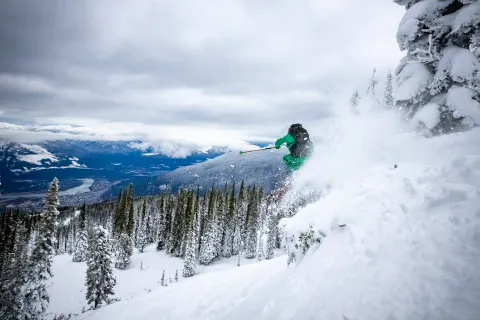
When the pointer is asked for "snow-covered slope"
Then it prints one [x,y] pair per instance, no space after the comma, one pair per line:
[142,280]
[410,249]
[262,168]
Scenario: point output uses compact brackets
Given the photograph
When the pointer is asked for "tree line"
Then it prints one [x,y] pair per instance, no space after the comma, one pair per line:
[199,227]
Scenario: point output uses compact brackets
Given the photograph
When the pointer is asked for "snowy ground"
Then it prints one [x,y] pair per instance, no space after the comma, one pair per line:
[67,295]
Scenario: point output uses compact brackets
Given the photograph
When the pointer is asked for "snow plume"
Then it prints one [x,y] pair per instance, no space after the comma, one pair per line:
[349,143]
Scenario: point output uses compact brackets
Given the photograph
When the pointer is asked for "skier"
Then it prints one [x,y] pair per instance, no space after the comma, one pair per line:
[299,144]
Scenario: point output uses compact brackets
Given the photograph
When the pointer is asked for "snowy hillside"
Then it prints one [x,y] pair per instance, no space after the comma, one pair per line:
[265,168]
[143,280]
[409,250]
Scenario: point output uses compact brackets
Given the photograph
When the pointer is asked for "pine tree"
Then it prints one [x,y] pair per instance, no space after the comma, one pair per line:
[119,215]
[272,236]
[441,70]
[237,238]
[12,280]
[71,239]
[252,226]
[142,242]
[260,225]
[230,226]
[176,235]
[388,100]
[100,279]
[176,275]
[197,209]
[220,222]
[39,267]
[131,218]
[189,215]
[81,247]
[373,84]
[7,233]
[163,279]
[190,254]
[242,212]
[124,251]
[161,226]
[168,220]
[208,250]
[355,101]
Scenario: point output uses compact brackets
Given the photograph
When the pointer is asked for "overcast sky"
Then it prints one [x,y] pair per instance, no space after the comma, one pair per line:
[185,72]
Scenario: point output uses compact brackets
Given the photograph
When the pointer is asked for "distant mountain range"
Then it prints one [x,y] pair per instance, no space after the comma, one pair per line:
[93,171]
[26,169]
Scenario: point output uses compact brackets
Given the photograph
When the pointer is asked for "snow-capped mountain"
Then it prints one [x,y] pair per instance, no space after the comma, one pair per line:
[26,168]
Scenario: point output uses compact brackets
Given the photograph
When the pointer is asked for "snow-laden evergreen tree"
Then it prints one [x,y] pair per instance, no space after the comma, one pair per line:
[438,81]
[237,238]
[123,229]
[38,275]
[388,100]
[242,212]
[208,250]
[220,221]
[110,227]
[161,225]
[142,236]
[131,217]
[3,235]
[176,275]
[197,209]
[355,101]
[81,247]
[124,251]
[252,225]
[203,223]
[178,228]
[169,207]
[71,238]
[190,252]
[12,279]
[189,213]
[272,236]
[162,280]
[229,225]
[100,279]
[260,224]
[8,239]
[371,90]
[119,218]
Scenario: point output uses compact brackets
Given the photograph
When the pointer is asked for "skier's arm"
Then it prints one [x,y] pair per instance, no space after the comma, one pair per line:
[288,139]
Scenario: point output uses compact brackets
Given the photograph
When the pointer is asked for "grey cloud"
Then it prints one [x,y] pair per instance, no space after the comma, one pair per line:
[112,60]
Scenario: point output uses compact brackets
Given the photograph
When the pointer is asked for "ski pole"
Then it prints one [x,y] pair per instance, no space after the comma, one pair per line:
[242,152]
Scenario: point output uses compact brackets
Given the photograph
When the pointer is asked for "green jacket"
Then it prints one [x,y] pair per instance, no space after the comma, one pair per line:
[288,139]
